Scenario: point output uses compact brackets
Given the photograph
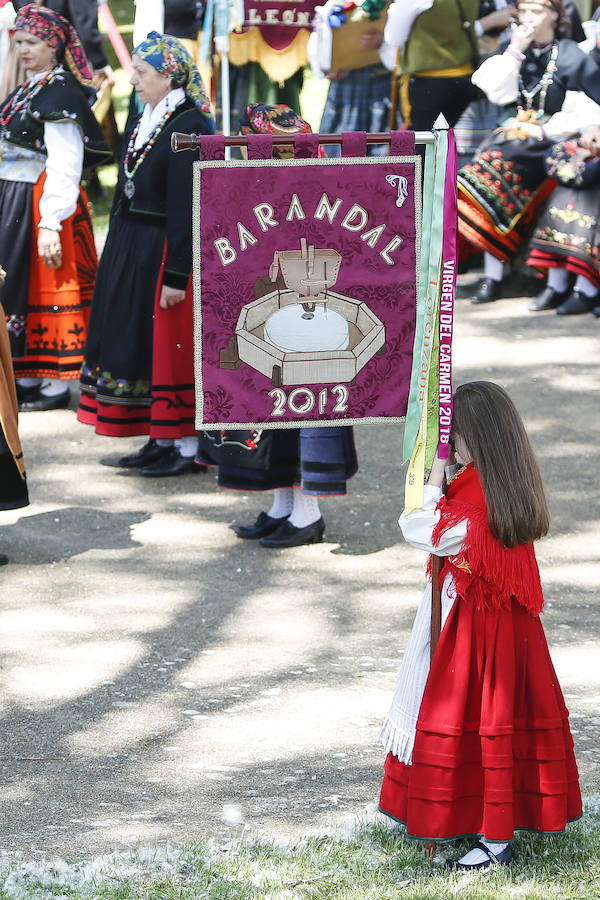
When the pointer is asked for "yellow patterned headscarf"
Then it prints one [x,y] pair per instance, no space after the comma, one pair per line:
[168,55]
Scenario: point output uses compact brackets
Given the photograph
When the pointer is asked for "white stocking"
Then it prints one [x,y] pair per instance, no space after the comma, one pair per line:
[492,267]
[54,387]
[187,446]
[585,286]
[282,503]
[558,279]
[306,509]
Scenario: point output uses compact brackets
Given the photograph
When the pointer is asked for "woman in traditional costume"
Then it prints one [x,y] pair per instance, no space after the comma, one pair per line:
[138,373]
[478,739]
[566,239]
[298,464]
[543,79]
[48,134]
[13,485]
[481,115]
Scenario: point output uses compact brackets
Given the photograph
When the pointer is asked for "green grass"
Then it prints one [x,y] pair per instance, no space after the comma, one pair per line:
[374,863]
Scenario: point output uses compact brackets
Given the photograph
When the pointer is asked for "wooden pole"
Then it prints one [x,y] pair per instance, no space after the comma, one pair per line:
[394,92]
[436,603]
[180,141]
[436,627]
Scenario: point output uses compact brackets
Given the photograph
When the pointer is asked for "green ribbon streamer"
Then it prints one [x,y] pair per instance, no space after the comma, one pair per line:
[428,291]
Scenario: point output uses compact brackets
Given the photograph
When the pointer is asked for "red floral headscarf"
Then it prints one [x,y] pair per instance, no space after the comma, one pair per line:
[59,34]
[280,119]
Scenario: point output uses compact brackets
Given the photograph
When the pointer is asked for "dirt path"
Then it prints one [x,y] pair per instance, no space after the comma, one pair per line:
[156,669]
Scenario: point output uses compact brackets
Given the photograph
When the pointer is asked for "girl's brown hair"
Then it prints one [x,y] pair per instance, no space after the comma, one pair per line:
[488,422]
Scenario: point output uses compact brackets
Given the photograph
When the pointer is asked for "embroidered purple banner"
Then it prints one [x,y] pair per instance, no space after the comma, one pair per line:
[305,289]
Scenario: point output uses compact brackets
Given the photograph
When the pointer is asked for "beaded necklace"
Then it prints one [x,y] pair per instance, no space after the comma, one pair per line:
[541,87]
[22,98]
[129,187]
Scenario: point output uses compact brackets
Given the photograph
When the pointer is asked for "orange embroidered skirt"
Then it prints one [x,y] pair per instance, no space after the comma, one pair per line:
[54,327]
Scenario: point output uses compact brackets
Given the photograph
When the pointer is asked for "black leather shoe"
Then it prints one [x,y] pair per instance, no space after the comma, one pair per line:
[576,304]
[549,298]
[502,859]
[3,560]
[31,399]
[264,525]
[172,463]
[596,311]
[487,291]
[149,453]
[287,535]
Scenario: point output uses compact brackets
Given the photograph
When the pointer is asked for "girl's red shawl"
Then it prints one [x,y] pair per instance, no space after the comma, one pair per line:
[485,572]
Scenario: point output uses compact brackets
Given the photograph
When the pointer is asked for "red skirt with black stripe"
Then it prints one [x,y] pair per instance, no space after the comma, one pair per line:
[493,750]
[138,374]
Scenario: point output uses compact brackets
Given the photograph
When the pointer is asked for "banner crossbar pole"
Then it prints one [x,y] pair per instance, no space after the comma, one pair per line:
[181,141]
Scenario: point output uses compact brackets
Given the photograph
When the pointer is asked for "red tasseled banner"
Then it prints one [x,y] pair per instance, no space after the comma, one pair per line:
[485,572]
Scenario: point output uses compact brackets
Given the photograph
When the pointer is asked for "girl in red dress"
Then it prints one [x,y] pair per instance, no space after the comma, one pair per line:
[479,740]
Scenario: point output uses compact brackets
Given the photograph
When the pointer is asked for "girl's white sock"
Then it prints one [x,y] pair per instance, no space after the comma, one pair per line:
[476,856]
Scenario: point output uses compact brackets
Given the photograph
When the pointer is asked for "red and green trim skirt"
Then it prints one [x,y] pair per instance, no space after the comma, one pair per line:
[493,751]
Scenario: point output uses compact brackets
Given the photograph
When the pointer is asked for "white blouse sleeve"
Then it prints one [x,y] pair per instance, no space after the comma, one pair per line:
[387,54]
[64,144]
[578,111]
[498,78]
[401,16]
[417,526]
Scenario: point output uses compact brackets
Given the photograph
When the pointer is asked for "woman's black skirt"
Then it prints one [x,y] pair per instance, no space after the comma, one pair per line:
[13,488]
[16,215]
[118,354]
[319,460]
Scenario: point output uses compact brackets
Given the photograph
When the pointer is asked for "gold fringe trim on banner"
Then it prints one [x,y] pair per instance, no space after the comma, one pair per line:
[250,46]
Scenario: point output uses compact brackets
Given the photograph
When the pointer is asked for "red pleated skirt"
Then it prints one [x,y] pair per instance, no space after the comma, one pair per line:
[493,750]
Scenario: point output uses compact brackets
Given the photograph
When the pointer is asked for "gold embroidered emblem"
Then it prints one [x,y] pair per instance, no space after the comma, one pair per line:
[461,563]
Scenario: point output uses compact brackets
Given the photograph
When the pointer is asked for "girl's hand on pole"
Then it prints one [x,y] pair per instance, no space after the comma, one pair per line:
[438,472]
